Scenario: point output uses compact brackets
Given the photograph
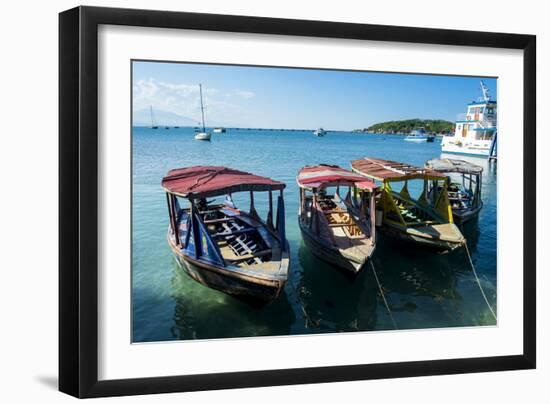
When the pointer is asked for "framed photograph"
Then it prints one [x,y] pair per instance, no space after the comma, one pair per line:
[251,201]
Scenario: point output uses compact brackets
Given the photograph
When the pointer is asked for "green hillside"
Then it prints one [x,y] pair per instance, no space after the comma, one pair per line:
[431,125]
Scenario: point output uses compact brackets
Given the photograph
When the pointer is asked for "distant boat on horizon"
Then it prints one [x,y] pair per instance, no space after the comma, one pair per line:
[153,123]
[219,130]
[417,135]
[319,132]
[202,135]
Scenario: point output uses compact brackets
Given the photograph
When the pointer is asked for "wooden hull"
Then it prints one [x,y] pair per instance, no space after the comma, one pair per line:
[244,286]
[330,254]
[463,217]
[419,239]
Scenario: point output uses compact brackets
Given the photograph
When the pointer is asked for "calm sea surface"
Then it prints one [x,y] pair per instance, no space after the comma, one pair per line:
[423,289]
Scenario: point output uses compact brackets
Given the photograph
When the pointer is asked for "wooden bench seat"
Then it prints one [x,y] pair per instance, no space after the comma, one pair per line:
[250,256]
[233,232]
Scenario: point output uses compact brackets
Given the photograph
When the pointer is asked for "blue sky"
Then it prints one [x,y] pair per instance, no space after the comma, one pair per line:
[242,96]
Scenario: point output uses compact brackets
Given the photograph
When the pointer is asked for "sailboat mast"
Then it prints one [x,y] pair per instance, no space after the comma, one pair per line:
[202,107]
[153,124]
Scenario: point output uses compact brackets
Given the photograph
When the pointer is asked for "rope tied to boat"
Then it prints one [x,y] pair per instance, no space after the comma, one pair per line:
[478,281]
[383,295]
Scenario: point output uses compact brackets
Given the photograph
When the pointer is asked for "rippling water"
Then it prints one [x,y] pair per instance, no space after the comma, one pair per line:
[423,289]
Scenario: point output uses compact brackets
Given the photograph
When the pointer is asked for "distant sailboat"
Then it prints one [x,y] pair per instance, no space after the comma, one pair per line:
[153,123]
[202,135]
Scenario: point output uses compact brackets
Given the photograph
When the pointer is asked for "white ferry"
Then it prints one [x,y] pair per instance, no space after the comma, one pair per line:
[477,133]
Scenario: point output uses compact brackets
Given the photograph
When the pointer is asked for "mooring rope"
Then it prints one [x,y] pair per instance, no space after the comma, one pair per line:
[382,294]
[478,281]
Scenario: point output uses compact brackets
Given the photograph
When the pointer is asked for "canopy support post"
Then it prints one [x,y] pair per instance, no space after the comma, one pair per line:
[252,211]
[173,221]
[196,231]
[281,221]
[270,212]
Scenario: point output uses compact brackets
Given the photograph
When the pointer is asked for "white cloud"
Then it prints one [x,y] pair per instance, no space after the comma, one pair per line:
[245,94]
[183,99]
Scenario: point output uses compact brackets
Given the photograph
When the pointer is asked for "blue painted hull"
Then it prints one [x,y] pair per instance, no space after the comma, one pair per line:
[223,279]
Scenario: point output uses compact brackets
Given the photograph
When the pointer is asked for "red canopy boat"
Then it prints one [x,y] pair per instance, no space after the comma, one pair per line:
[221,246]
[338,230]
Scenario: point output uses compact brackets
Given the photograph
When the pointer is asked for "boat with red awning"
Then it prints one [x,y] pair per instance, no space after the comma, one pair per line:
[337,229]
[220,245]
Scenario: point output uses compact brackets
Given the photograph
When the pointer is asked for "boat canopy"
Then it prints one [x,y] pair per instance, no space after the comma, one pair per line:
[386,170]
[210,181]
[325,175]
[453,166]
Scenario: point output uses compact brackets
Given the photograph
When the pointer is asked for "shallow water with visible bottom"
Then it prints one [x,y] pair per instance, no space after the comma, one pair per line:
[423,289]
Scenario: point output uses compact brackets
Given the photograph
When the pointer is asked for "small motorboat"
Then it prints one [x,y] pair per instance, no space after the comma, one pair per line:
[319,132]
[219,130]
[220,245]
[426,220]
[417,135]
[465,194]
[338,230]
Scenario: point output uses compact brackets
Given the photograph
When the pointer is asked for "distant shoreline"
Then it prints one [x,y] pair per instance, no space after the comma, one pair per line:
[353,131]
[397,128]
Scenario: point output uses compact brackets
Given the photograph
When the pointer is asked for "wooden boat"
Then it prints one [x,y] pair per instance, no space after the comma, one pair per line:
[427,220]
[338,230]
[465,195]
[221,246]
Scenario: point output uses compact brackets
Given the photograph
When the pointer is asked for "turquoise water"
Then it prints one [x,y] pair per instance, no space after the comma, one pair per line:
[423,289]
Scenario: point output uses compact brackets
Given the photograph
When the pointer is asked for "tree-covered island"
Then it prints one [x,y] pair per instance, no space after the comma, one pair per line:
[405,126]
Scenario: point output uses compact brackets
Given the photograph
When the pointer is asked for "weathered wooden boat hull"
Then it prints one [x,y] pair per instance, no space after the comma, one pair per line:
[426,242]
[245,287]
[330,254]
[462,217]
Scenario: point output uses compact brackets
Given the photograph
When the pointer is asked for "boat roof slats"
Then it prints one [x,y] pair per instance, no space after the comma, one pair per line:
[209,181]
[325,175]
[453,166]
[381,170]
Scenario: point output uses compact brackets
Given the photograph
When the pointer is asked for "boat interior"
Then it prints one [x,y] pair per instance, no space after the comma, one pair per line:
[411,212]
[242,239]
[346,231]
[460,199]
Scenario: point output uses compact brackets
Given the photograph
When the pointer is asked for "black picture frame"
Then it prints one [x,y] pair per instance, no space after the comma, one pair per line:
[78,201]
